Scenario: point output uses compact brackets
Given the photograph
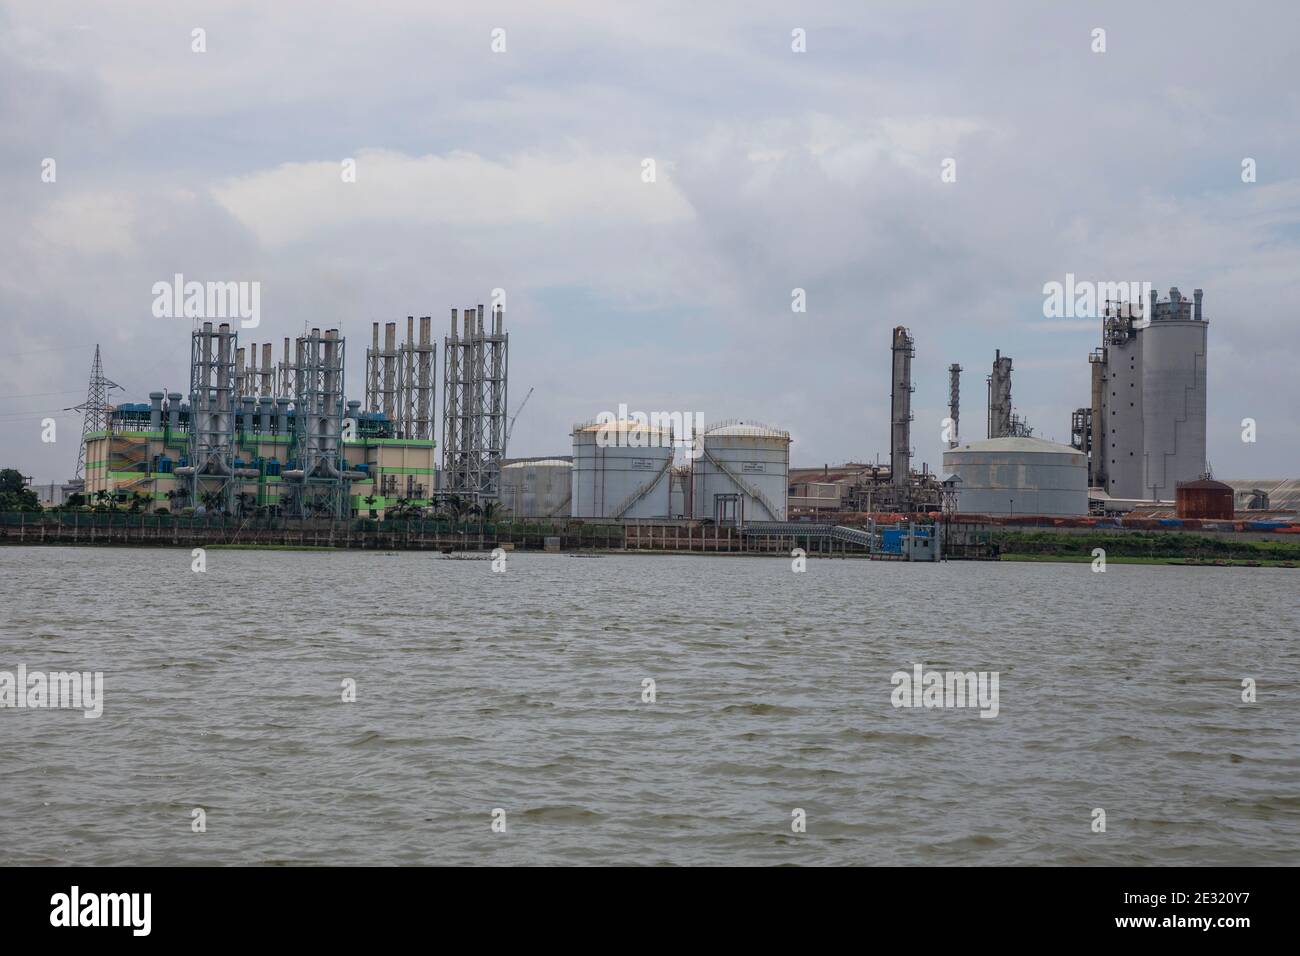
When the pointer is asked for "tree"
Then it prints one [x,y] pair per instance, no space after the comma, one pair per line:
[456,507]
[14,493]
[370,503]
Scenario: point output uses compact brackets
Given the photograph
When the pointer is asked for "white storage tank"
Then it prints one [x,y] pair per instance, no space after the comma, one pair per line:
[537,487]
[748,459]
[621,470]
[1173,395]
[1019,476]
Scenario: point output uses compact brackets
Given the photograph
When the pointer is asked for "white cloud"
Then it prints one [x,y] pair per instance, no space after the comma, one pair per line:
[88,223]
[456,190]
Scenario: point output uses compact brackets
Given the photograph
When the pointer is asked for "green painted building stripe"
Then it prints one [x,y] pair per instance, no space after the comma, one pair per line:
[394,442]
[182,437]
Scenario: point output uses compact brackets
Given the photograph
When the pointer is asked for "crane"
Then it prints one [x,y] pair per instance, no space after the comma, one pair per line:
[511,427]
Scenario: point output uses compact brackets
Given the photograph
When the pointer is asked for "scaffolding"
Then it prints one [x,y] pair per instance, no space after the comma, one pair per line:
[213,393]
[417,380]
[400,379]
[285,385]
[475,379]
[319,483]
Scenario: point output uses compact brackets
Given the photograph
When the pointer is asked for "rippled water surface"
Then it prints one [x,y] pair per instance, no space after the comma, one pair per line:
[522,691]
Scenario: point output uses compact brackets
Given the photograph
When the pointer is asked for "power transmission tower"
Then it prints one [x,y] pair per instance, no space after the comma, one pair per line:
[94,409]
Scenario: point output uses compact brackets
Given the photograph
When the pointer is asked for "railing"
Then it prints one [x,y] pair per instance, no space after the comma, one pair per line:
[644,490]
[743,486]
[124,519]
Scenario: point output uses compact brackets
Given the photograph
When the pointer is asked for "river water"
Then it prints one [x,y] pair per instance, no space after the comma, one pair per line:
[522,692]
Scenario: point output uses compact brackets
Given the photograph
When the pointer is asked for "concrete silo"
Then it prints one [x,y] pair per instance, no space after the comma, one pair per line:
[745,464]
[1122,394]
[621,470]
[1151,375]
[537,487]
[1010,476]
[1173,394]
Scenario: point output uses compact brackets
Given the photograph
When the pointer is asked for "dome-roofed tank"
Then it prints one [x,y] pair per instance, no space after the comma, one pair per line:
[537,487]
[1025,476]
[741,462]
[620,470]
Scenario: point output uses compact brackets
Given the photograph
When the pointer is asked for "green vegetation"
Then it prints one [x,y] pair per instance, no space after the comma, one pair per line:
[14,493]
[1141,547]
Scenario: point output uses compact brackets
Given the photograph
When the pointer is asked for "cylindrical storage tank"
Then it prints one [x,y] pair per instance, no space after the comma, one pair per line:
[1019,476]
[748,459]
[537,488]
[620,470]
[1204,499]
[1173,404]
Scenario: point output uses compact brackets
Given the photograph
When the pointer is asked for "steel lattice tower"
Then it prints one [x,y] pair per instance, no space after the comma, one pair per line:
[94,409]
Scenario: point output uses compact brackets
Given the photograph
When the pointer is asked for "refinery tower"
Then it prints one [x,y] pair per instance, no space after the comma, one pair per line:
[1144,430]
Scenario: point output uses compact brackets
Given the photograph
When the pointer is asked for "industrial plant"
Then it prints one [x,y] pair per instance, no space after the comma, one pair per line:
[280,439]
[1144,430]
[257,437]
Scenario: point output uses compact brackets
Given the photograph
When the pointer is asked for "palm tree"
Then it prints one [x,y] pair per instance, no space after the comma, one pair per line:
[457,508]
[370,503]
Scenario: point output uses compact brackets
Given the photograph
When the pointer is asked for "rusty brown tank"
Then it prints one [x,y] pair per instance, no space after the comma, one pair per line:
[1203,499]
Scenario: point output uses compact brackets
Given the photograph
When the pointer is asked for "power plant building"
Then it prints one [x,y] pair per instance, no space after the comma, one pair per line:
[282,441]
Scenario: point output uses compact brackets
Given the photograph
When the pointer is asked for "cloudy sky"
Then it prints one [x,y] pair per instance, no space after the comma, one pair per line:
[776,170]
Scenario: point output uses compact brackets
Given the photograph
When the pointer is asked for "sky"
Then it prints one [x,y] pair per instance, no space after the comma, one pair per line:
[522,169]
